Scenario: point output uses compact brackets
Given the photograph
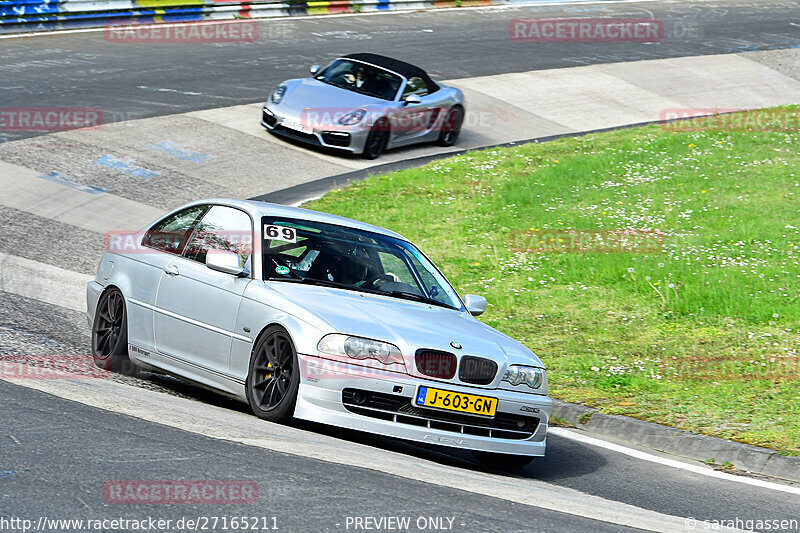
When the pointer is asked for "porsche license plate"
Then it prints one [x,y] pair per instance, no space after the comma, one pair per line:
[456,401]
[295,125]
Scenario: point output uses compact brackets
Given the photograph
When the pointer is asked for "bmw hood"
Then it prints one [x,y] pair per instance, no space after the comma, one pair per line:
[407,324]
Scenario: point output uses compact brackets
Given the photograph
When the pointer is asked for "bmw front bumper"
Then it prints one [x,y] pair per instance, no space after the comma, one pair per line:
[382,403]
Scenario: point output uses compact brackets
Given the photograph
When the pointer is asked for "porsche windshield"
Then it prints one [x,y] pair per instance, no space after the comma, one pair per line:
[298,251]
[361,78]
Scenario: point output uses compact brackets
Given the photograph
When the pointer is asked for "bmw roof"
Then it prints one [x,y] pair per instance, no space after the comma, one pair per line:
[259,209]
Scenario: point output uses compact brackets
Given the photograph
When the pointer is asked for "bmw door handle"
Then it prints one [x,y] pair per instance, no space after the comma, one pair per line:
[172,270]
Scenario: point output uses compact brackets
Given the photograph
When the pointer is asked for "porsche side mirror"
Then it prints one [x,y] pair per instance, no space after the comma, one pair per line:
[412,99]
[224,261]
[476,305]
[314,69]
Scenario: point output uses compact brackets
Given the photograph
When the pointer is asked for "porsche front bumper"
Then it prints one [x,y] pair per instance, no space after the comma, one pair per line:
[350,140]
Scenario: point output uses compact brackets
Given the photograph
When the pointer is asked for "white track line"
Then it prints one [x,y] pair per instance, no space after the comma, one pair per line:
[46,283]
[672,463]
[220,423]
[100,213]
[501,7]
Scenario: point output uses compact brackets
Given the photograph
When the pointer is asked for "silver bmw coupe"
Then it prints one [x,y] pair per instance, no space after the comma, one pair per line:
[365,104]
[318,317]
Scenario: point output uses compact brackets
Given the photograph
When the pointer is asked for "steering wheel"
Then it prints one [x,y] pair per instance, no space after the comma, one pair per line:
[347,77]
[377,281]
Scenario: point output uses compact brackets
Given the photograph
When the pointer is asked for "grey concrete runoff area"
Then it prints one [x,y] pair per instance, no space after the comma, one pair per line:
[181,123]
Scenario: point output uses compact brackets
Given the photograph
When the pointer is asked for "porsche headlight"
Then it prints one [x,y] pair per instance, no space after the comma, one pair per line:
[360,348]
[528,375]
[353,117]
[277,94]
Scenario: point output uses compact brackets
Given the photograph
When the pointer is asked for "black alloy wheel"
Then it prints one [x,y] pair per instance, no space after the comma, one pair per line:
[274,376]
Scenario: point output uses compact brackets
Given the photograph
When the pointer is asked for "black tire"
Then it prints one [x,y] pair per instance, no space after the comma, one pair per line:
[110,333]
[451,127]
[376,140]
[502,461]
[274,376]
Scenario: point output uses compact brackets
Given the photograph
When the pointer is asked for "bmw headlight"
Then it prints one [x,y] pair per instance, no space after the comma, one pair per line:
[353,117]
[360,348]
[277,94]
[531,376]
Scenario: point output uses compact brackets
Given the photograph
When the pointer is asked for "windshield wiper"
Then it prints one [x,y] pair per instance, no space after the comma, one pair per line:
[417,297]
[312,281]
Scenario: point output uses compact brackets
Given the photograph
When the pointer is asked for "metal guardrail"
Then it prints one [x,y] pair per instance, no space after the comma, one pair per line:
[37,15]
[42,15]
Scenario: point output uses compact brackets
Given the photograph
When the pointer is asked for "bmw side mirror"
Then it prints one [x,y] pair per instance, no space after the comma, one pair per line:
[224,261]
[314,69]
[476,305]
[413,99]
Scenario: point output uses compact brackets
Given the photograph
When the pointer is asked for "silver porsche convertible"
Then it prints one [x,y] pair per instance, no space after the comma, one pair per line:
[318,317]
[365,104]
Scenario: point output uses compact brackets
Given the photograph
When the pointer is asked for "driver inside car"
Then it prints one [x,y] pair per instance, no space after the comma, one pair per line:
[351,271]
[358,79]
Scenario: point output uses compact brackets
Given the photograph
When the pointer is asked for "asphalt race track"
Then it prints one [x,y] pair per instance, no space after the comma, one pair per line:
[61,441]
[128,81]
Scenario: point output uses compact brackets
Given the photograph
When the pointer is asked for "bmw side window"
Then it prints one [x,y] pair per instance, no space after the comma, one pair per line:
[222,228]
[170,235]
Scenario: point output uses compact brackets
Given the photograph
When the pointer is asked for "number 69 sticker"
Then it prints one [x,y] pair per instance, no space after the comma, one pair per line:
[281,233]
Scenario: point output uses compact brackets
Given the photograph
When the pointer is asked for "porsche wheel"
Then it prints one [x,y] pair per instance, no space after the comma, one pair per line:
[502,461]
[110,333]
[274,376]
[451,127]
[376,141]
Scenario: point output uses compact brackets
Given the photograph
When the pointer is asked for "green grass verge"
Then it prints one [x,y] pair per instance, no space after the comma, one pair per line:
[697,329]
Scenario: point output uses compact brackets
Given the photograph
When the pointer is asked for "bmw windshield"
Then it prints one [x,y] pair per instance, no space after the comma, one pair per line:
[299,251]
[361,78]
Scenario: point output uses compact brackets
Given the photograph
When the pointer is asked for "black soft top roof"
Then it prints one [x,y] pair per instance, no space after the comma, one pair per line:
[401,67]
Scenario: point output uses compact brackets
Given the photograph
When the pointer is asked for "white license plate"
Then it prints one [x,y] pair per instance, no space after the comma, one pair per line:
[294,125]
